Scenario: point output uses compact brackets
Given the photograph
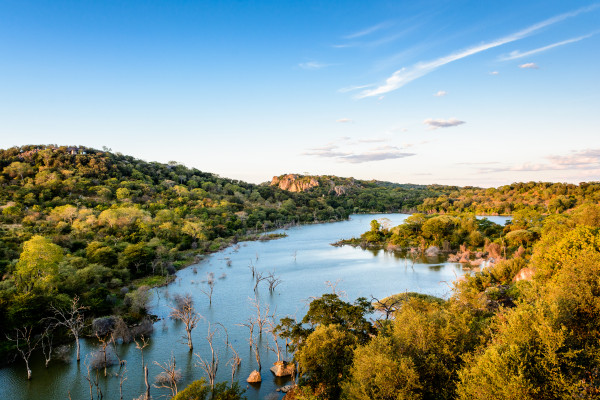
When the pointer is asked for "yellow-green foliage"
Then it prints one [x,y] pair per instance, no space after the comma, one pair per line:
[38,264]
[325,358]
[548,346]
[379,372]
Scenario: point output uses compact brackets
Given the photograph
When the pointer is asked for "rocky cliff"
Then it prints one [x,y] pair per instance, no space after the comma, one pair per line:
[326,184]
[294,183]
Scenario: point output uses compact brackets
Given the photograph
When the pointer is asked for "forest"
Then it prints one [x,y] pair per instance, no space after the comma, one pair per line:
[84,234]
[501,335]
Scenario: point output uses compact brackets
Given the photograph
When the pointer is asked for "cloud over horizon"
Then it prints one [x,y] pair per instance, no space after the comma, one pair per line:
[588,159]
[332,150]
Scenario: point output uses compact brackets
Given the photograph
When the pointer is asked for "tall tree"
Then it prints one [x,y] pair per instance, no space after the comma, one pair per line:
[38,264]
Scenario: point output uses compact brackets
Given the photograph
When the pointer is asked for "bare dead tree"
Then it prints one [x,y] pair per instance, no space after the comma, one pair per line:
[257,356]
[257,279]
[169,376]
[226,333]
[252,268]
[210,281]
[103,360]
[72,319]
[333,286]
[261,315]
[122,375]
[141,345]
[414,255]
[250,325]
[273,281]
[93,381]
[25,344]
[235,362]
[113,342]
[210,366]
[388,306]
[146,382]
[185,312]
[277,349]
[47,343]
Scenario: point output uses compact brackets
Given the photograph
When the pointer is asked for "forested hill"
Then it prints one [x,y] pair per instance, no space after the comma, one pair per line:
[76,221]
[543,197]
[360,195]
[107,224]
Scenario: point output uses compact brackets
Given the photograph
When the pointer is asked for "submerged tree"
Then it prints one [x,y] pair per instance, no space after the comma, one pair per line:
[72,319]
[185,312]
[169,376]
[25,344]
[210,366]
[210,281]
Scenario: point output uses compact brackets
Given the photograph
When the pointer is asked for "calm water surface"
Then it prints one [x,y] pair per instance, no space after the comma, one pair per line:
[304,261]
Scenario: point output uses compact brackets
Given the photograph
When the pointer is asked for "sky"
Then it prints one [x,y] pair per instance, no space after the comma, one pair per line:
[480,93]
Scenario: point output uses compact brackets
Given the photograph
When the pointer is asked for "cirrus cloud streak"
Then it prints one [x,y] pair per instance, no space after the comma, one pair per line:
[406,75]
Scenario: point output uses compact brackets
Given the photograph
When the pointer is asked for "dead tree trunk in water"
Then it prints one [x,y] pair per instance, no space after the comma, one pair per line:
[185,312]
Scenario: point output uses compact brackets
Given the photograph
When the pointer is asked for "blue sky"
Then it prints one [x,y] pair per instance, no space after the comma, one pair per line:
[453,92]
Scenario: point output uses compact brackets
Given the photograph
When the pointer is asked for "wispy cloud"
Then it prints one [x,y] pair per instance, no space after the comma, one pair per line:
[313,65]
[368,31]
[529,65]
[375,156]
[353,88]
[406,75]
[517,54]
[588,159]
[478,163]
[381,153]
[376,140]
[344,120]
[494,73]
[440,93]
[443,123]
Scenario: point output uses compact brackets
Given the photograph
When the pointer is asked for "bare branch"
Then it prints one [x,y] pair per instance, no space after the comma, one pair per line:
[72,319]
[169,376]
[211,366]
[185,312]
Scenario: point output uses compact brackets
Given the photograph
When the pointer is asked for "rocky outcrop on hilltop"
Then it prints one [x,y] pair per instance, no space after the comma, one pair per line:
[294,183]
[303,183]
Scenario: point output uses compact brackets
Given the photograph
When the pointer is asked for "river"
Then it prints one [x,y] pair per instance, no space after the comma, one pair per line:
[304,261]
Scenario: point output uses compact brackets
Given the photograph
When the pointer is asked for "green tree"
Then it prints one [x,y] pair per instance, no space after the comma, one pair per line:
[18,169]
[325,358]
[379,372]
[38,264]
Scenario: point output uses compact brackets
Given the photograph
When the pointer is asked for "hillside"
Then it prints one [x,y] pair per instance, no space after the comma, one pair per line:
[543,197]
[77,221]
[362,196]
